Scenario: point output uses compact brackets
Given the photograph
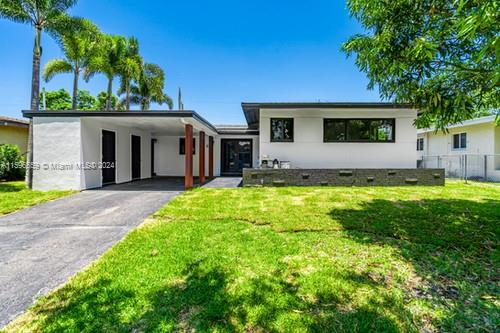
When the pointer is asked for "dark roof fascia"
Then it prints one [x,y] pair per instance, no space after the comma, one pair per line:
[252,110]
[327,105]
[238,131]
[150,113]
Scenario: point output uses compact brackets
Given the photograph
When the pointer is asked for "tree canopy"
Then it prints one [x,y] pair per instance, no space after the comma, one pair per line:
[440,56]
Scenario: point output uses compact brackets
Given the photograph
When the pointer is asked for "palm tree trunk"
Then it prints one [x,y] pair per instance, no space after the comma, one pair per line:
[110,91]
[35,102]
[74,105]
[127,96]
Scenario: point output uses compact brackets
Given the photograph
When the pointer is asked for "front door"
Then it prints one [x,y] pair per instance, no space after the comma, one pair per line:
[136,157]
[236,154]
[108,157]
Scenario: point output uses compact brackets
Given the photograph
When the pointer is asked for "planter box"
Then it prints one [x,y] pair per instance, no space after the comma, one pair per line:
[343,177]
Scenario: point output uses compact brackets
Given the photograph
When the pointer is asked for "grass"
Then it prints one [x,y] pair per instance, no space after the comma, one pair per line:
[15,196]
[395,259]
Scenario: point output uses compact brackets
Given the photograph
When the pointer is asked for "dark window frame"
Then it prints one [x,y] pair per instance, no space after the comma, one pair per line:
[346,121]
[282,140]
[420,144]
[460,145]
[182,146]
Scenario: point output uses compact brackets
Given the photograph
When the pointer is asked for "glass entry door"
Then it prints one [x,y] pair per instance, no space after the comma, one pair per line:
[236,154]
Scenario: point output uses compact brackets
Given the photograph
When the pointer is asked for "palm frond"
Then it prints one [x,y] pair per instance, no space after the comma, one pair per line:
[15,11]
[56,66]
[63,5]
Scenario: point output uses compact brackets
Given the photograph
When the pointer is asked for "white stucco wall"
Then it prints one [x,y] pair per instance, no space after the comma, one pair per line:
[56,142]
[168,161]
[73,141]
[91,151]
[309,151]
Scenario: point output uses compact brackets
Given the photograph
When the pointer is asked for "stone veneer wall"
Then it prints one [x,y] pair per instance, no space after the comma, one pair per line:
[342,177]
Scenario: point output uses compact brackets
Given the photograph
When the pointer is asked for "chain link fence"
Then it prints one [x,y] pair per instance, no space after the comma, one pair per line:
[465,166]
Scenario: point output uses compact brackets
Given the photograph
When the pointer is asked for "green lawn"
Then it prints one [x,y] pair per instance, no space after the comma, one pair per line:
[15,196]
[395,259]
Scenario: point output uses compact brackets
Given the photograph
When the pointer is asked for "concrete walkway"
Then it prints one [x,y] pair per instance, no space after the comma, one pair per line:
[224,182]
[42,246]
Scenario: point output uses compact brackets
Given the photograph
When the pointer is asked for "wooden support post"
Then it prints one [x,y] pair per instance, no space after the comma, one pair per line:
[210,157]
[188,156]
[201,167]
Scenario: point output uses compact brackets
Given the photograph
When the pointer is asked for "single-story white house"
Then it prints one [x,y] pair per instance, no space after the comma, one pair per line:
[87,149]
[473,143]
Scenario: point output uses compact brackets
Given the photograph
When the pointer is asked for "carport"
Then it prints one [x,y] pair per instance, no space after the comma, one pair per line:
[88,149]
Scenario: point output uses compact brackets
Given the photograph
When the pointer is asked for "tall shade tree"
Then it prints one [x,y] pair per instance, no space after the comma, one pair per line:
[149,88]
[79,48]
[42,15]
[130,69]
[111,53]
[440,56]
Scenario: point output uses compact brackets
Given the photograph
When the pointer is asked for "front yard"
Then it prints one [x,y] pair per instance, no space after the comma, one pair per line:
[15,196]
[295,259]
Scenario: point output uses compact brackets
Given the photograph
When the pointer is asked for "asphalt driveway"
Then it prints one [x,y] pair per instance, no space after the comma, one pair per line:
[42,246]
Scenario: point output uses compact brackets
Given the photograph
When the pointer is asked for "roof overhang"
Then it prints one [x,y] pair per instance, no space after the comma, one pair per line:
[470,122]
[13,122]
[252,110]
[190,116]
[236,130]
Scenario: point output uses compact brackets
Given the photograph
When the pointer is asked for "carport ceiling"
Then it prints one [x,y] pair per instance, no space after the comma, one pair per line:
[157,126]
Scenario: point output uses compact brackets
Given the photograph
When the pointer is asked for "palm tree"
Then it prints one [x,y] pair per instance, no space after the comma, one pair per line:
[149,88]
[108,62]
[48,16]
[79,49]
[130,69]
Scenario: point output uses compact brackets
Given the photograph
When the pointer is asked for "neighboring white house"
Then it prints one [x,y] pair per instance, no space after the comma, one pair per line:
[74,149]
[478,139]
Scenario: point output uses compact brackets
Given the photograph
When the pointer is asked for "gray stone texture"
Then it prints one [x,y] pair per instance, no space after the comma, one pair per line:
[342,177]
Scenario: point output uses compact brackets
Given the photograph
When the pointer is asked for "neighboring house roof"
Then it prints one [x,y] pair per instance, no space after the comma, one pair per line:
[252,110]
[471,122]
[13,122]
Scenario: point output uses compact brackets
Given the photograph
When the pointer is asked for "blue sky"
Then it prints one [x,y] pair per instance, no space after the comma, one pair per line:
[221,53]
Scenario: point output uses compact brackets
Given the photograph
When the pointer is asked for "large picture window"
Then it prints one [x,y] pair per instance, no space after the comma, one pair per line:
[182,146]
[359,130]
[281,129]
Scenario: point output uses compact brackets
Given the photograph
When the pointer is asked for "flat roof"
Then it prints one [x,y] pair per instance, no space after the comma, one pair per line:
[470,122]
[115,113]
[8,121]
[252,109]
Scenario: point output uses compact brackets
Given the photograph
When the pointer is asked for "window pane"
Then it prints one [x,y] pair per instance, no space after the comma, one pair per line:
[358,130]
[282,129]
[420,144]
[334,130]
[182,146]
[463,140]
[382,130]
[456,141]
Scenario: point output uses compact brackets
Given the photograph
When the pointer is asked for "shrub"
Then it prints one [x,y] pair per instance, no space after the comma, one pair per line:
[11,163]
